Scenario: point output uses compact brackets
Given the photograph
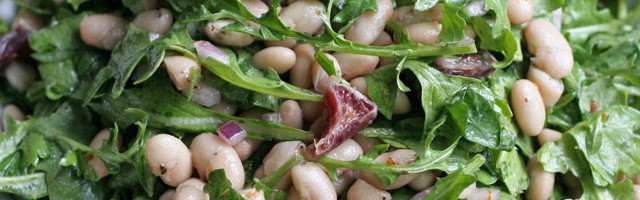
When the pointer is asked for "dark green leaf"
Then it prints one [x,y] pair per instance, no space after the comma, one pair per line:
[452,185]
[219,187]
[382,89]
[452,24]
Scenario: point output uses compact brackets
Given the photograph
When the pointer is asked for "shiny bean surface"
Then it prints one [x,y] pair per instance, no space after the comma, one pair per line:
[402,104]
[300,74]
[20,75]
[169,158]
[355,65]
[540,181]
[180,70]
[214,31]
[280,59]
[528,107]
[103,31]
[551,89]
[246,147]
[280,154]
[312,182]
[210,152]
[370,24]
[361,190]
[519,11]
[291,114]
[424,33]
[424,180]
[191,189]
[548,135]
[320,78]
[156,21]
[551,51]
[304,15]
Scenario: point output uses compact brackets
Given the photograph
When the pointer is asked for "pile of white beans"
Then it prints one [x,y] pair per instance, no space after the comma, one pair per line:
[174,162]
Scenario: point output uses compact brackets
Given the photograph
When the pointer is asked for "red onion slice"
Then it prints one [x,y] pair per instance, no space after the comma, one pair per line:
[206,49]
[231,132]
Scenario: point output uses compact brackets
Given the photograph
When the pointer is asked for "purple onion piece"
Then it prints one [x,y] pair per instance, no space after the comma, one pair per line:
[205,49]
[272,117]
[231,132]
[12,44]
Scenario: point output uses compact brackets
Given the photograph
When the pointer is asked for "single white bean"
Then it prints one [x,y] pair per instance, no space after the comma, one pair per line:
[366,142]
[305,15]
[291,114]
[311,110]
[321,80]
[229,161]
[424,33]
[167,195]
[225,107]
[548,135]
[550,88]
[252,194]
[520,11]
[191,189]
[179,69]
[370,24]
[551,51]
[402,104]
[155,21]
[169,158]
[210,152]
[540,181]
[484,194]
[356,65]
[256,7]
[407,15]
[103,31]
[20,75]
[397,157]
[300,74]
[246,147]
[467,191]
[214,31]
[424,180]
[312,182]
[383,39]
[280,59]
[347,151]
[360,83]
[204,95]
[96,143]
[361,190]
[280,154]
[27,19]
[528,107]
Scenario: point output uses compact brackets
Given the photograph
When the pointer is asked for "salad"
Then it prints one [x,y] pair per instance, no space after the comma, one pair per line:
[320,99]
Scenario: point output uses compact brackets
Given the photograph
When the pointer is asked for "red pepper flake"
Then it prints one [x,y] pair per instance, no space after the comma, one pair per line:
[593,106]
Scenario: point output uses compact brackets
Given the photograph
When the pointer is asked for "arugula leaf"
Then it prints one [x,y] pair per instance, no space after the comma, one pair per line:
[381,87]
[243,98]
[597,148]
[219,187]
[452,185]
[452,24]
[511,169]
[505,42]
[351,10]
[174,112]
[600,95]
[578,13]
[30,186]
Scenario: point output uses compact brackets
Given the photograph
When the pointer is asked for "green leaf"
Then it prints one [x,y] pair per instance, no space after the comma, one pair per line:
[76,3]
[452,24]
[512,170]
[351,10]
[600,95]
[382,89]
[505,42]
[126,56]
[32,186]
[501,23]
[219,187]
[578,13]
[452,185]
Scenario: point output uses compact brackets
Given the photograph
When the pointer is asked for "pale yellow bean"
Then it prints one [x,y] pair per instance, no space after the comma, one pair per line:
[551,51]
[291,114]
[103,31]
[225,107]
[361,190]
[528,107]
[167,195]
[180,70]
[540,181]
[280,59]
[356,65]
[548,135]
[368,26]
[467,191]
[519,11]
[383,39]
[348,150]
[256,7]
[550,88]
[424,33]
[484,194]
[169,158]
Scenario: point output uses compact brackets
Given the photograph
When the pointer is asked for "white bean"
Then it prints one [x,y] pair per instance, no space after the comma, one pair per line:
[305,15]
[20,75]
[311,110]
[179,69]
[252,194]
[467,191]
[155,21]
[424,33]
[256,7]
[191,189]
[102,30]
[540,181]
[548,135]
[312,182]
[300,74]
[528,107]
[321,80]
[214,31]
[356,65]
[347,151]
[397,157]
[246,147]
[169,158]
[210,152]
[368,26]
[167,195]
[280,154]
[551,51]
[96,143]
[360,84]
[366,142]
[424,180]
[361,190]
[550,88]
[291,113]
[231,164]
[225,107]
[13,111]
[280,59]
[636,192]
[402,104]
[484,194]
[519,11]
[27,19]
[204,95]
[383,39]
[406,15]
